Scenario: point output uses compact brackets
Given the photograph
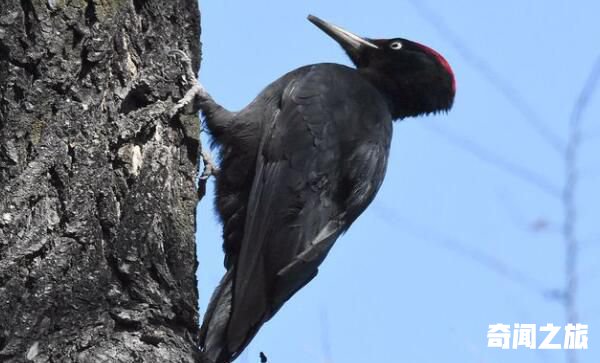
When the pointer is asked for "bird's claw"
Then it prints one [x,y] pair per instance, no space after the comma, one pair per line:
[187,63]
[189,96]
[197,90]
[209,166]
[181,53]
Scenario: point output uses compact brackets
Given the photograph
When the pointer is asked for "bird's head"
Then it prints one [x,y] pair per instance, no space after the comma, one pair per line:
[414,78]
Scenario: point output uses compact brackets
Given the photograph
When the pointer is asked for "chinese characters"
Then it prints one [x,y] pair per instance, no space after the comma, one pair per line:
[525,336]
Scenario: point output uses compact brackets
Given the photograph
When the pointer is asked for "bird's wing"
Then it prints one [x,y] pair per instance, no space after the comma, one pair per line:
[362,175]
[321,160]
[364,171]
[291,203]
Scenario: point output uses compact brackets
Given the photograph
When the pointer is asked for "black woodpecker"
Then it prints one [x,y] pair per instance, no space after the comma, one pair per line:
[299,164]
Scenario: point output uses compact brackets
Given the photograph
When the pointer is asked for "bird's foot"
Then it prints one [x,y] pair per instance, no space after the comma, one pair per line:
[189,96]
[210,168]
[197,90]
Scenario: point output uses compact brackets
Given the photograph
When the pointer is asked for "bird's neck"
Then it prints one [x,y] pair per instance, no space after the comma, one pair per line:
[404,99]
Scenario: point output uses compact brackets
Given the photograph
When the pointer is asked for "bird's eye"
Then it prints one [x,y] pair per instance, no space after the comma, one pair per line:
[396,45]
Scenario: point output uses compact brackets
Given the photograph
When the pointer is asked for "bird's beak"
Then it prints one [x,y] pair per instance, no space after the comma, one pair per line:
[352,43]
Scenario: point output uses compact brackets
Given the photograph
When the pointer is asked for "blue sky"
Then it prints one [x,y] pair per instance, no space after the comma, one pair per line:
[412,281]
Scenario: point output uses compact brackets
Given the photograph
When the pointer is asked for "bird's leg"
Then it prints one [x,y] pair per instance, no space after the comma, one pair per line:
[196,91]
[217,118]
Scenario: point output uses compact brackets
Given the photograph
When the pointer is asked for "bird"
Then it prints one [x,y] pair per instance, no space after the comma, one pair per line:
[299,164]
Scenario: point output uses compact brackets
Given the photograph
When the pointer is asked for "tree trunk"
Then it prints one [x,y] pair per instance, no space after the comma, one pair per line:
[97,251]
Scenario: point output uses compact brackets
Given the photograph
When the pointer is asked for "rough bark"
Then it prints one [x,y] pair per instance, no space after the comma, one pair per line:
[97,253]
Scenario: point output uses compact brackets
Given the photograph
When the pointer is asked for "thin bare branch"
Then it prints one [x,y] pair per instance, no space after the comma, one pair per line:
[511,93]
[494,264]
[588,90]
[520,220]
[569,198]
[499,162]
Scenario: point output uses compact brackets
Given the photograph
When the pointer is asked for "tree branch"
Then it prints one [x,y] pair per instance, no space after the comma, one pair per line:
[388,215]
[569,197]
[497,161]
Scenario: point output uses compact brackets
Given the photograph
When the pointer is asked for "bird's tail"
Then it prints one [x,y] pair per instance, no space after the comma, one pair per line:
[213,333]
